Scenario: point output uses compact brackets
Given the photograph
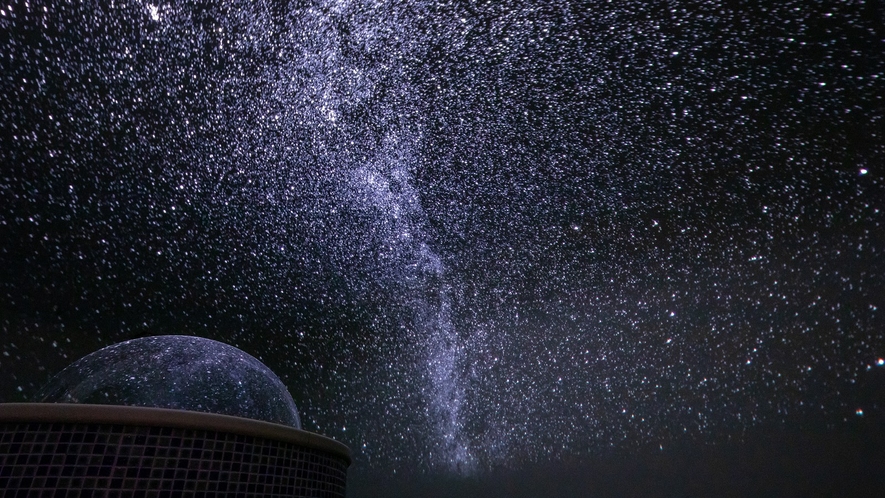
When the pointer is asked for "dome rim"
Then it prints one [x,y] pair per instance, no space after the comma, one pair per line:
[168,417]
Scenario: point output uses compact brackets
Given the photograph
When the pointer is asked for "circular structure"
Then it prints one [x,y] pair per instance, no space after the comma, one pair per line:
[52,449]
[166,416]
[176,372]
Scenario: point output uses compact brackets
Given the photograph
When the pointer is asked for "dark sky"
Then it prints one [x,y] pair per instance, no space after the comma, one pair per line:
[481,242]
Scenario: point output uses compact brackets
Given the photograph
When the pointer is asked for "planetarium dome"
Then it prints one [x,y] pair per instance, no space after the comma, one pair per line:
[166,416]
[177,372]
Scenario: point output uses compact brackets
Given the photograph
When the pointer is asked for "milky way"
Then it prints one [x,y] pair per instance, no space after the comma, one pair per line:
[466,235]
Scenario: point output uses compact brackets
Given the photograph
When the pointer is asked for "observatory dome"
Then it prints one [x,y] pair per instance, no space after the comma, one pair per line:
[177,372]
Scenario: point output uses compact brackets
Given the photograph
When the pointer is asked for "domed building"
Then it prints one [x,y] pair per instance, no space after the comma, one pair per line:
[167,416]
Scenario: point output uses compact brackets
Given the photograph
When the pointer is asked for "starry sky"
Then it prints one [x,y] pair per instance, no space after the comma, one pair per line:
[478,240]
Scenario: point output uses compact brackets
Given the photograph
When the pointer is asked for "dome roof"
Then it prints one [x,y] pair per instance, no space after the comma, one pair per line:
[178,372]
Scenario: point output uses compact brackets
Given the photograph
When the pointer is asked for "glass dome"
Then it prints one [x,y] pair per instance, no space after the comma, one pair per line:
[179,372]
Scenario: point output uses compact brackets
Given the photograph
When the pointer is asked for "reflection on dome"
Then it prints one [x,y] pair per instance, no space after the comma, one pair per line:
[179,372]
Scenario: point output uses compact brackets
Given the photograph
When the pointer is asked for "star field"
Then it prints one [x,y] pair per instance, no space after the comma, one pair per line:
[466,235]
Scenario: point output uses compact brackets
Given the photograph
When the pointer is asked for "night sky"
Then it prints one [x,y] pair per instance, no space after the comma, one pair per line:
[517,247]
